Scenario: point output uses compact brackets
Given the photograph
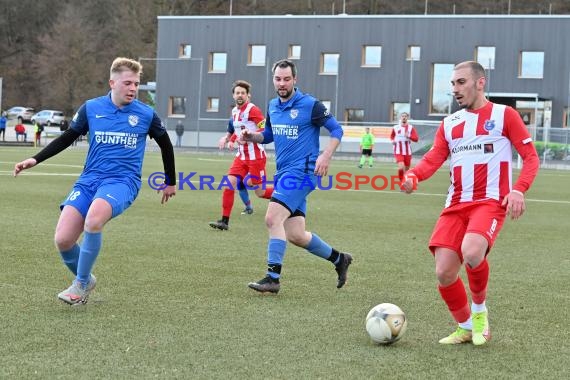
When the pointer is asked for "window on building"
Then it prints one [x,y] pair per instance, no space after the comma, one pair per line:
[185,51]
[441,97]
[354,115]
[176,106]
[327,104]
[398,108]
[213,105]
[371,56]
[485,55]
[566,117]
[413,53]
[329,63]
[294,52]
[256,55]
[531,64]
[218,62]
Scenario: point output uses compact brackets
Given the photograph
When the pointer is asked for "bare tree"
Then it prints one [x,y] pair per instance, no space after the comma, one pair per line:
[67,63]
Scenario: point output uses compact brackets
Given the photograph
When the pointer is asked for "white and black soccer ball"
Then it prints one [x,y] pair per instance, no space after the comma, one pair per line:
[386,323]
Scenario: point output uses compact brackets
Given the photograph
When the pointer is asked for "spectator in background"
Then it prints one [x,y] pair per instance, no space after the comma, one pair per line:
[21,131]
[179,132]
[3,121]
[38,129]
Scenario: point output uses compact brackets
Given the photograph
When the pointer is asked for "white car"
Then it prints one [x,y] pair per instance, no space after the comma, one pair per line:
[20,113]
[48,117]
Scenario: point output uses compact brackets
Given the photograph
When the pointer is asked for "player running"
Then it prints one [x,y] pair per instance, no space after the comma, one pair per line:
[477,140]
[294,121]
[249,162]
[118,126]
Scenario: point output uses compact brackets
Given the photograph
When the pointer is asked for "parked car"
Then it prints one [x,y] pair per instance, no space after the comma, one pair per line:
[48,117]
[20,113]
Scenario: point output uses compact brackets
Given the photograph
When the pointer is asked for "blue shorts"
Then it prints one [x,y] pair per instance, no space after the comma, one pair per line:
[118,194]
[292,189]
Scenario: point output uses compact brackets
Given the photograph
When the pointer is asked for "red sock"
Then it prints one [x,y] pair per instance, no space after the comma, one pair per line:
[478,279]
[268,192]
[227,202]
[401,175]
[455,297]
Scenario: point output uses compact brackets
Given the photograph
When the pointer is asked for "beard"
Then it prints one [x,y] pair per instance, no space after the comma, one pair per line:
[286,93]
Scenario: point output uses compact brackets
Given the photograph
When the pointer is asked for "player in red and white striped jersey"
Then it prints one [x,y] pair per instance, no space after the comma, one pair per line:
[249,163]
[477,140]
[402,135]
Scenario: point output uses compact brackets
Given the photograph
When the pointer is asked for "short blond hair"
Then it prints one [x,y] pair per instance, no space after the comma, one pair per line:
[121,64]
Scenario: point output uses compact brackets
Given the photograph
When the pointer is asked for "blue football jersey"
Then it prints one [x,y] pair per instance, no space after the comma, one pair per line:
[294,126]
[117,138]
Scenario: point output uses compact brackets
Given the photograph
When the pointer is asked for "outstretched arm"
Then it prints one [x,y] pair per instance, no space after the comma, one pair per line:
[56,146]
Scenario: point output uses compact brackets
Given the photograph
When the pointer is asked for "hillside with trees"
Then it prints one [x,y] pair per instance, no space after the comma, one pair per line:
[56,53]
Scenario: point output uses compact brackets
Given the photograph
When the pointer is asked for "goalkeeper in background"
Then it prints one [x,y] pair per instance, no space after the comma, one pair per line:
[366,146]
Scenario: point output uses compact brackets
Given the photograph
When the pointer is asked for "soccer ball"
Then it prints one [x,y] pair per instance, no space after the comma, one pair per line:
[386,323]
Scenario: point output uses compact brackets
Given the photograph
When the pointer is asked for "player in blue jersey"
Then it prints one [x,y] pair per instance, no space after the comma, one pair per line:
[293,123]
[118,126]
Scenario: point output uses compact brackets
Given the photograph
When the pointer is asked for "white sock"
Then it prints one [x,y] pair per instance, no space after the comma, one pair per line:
[467,325]
[478,307]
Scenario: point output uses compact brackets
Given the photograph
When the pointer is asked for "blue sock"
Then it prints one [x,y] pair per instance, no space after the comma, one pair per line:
[89,251]
[244,195]
[70,258]
[318,247]
[275,254]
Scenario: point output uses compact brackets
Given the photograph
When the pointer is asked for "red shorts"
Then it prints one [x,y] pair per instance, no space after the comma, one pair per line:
[484,218]
[254,170]
[405,158]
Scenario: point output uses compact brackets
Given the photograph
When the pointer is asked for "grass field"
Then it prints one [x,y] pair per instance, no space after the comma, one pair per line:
[172,300]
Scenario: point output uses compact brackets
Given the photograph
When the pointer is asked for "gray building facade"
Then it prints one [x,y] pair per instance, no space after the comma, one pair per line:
[366,69]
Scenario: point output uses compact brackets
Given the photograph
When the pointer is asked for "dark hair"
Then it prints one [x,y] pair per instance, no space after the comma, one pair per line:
[241,83]
[284,63]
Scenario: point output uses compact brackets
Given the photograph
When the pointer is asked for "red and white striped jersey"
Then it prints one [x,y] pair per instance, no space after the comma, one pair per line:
[401,136]
[249,117]
[478,144]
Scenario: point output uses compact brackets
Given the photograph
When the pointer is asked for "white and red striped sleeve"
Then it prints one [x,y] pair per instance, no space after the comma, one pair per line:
[515,130]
